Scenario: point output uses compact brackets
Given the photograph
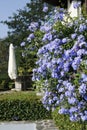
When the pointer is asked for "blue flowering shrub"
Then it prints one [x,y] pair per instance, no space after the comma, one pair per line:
[61,68]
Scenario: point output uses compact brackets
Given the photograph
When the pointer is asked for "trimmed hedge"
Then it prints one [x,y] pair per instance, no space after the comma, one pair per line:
[22,108]
[63,122]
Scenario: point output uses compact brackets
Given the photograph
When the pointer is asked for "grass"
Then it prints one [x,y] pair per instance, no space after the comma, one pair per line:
[18,95]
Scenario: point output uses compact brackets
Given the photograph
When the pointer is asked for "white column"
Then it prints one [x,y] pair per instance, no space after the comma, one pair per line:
[74,12]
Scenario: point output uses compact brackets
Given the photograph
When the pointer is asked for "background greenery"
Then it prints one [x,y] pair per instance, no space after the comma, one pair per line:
[18,25]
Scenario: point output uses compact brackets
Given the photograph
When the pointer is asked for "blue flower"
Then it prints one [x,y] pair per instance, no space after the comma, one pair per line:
[68,94]
[61,90]
[45,28]
[45,9]
[84,117]
[85,97]
[30,37]
[73,110]
[62,73]
[63,111]
[66,66]
[59,15]
[33,26]
[80,52]
[82,89]
[50,101]
[82,27]
[74,117]
[73,36]
[54,75]
[84,77]
[72,100]
[47,36]
[81,38]
[57,103]
[76,4]
[64,40]
[23,44]
[55,98]
[76,62]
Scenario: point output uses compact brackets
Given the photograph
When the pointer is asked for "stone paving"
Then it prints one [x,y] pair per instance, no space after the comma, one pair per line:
[46,125]
[40,125]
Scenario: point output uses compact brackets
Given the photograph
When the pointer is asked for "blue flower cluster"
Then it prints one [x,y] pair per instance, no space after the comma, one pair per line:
[33,26]
[61,59]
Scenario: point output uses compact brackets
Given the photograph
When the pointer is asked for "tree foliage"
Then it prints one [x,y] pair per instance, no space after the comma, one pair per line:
[3,58]
[18,25]
[19,22]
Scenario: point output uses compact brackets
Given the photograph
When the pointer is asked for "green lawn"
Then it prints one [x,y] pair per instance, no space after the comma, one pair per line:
[17,95]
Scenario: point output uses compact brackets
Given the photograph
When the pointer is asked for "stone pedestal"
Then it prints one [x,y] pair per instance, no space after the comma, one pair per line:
[18,86]
[23,83]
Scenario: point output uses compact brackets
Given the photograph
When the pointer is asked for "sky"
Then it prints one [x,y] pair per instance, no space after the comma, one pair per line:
[7,8]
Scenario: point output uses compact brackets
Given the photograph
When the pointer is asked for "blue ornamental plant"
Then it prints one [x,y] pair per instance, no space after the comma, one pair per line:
[62,65]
